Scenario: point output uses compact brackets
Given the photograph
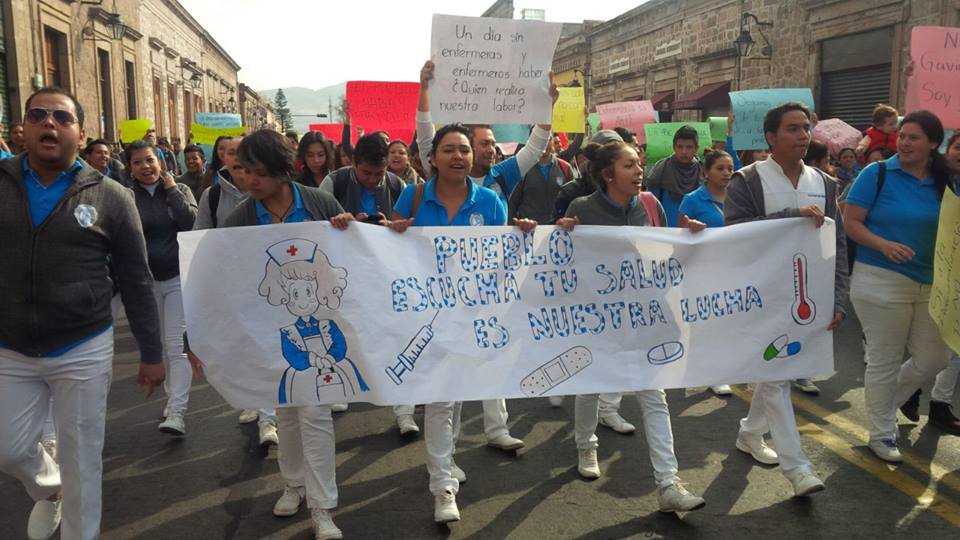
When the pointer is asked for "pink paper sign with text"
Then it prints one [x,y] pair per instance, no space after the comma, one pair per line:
[632,115]
[837,135]
[935,84]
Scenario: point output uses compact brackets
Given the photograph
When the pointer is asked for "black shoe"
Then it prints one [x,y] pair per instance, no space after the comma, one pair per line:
[911,409]
[941,415]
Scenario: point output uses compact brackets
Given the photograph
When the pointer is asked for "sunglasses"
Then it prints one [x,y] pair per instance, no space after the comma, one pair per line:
[38,115]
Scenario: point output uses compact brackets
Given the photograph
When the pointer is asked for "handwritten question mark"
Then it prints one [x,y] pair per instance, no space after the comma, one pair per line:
[520,107]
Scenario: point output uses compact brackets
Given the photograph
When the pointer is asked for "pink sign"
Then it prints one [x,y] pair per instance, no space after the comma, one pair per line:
[386,106]
[632,115]
[935,84]
[837,135]
[333,132]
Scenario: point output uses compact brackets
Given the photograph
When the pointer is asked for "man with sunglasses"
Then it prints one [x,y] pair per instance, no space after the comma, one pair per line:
[60,221]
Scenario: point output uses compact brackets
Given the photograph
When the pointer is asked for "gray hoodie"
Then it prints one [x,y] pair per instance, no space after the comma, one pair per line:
[230,198]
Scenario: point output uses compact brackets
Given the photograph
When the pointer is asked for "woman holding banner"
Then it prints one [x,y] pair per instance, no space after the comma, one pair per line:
[617,170]
[893,212]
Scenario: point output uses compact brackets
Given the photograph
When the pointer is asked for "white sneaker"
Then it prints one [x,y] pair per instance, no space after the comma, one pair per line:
[289,502]
[268,434]
[457,472]
[505,442]
[407,424]
[722,390]
[757,447]
[445,507]
[555,401]
[886,449]
[323,524]
[173,425]
[676,498]
[44,520]
[50,447]
[617,423]
[248,416]
[806,386]
[587,464]
[339,407]
[806,484]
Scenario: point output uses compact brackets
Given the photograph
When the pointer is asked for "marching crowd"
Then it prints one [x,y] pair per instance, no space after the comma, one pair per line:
[85,231]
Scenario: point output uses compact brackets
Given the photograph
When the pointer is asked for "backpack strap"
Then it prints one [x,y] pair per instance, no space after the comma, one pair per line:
[213,201]
[417,197]
[881,179]
[650,205]
[341,179]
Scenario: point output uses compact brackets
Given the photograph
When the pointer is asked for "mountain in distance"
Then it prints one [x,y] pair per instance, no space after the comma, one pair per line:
[310,102]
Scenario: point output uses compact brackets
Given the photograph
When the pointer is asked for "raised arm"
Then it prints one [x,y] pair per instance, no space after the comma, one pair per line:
[425,130]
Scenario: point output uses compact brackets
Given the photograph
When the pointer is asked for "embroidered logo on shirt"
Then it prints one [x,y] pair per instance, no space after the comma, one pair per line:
[476,219]
[86,215]
[559,180]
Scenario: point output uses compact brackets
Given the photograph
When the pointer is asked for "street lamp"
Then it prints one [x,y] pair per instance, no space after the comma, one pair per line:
[745,42]
[116,24]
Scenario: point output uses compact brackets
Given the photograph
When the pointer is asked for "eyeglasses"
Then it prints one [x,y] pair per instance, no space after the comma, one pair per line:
[38,115]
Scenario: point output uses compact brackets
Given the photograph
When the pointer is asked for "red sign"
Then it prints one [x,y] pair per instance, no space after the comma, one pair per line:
[386,106]
[331,131]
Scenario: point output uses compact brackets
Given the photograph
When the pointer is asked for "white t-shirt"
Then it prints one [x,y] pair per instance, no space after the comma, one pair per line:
[779,193]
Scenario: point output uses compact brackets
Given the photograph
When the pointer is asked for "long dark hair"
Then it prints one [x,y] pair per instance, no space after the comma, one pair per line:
[933,129]
[314,137]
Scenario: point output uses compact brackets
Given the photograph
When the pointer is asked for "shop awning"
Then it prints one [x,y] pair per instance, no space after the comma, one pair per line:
[663,101]
[705,97]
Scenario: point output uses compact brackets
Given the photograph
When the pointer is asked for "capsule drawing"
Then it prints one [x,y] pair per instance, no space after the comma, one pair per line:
[781,347]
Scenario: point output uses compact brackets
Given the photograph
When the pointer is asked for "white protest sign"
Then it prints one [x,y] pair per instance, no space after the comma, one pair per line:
[301,313]
[493,71]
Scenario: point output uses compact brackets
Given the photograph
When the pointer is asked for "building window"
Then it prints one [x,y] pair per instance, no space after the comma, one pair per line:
[106,95]
[130,75]
[172,108]
[55,54]
[157,105]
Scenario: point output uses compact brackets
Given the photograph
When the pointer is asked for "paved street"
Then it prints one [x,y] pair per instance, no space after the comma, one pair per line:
[217,482]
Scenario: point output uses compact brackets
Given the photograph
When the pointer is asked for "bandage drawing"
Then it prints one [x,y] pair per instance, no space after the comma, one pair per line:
[556,371]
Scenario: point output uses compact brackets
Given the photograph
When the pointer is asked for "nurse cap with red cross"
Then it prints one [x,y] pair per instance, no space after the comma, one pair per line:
[295,249]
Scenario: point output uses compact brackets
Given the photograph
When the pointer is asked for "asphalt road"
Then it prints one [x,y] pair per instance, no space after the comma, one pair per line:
[217,483]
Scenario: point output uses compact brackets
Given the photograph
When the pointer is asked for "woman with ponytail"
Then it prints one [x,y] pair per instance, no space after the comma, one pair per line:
[892,212]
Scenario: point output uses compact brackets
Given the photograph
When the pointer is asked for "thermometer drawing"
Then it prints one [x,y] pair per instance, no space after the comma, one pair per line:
[803,308]
[408,358]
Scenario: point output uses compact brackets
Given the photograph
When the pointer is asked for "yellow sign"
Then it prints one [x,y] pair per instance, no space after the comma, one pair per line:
[133,130]
[945,295]
[208,135]
[568,113]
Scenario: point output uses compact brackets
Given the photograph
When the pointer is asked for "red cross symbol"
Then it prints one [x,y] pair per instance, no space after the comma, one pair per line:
[327,378]
[292,250]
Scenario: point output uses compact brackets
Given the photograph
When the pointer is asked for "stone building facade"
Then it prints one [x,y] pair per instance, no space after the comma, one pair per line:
[256,110]
[164,66]
[681,54]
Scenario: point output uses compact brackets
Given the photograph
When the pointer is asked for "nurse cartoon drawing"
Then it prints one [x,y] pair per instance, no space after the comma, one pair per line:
[299,277]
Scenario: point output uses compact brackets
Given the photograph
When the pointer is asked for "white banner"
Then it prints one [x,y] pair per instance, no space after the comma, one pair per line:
[491,71]
[303,313]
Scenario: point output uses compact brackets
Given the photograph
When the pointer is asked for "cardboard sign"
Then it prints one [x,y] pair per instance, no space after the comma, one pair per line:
[660,139]
[568,111]
[718,128]
[837,135]
[491,71]
[218,120]
[633,115]
[208,135]
[134,130]
[383,106]
[599,309]
[944,308]
[333,132]
[750,107]
[935,84]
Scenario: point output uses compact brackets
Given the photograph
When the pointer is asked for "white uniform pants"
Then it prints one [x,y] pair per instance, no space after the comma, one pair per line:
[610,404]
[494,417]
[893,310]
[440,420]
[946,381]
[172,326]
[307,453]
[656,427]
[771,410]
[266,416]
[78,381]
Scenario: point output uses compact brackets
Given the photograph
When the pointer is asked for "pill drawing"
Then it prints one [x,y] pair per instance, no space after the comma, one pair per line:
[556,371]
[803,309]
[665,353]
[781,347]
[408,357]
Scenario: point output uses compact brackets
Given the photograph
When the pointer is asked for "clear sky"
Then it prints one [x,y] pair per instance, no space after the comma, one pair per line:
[317,43]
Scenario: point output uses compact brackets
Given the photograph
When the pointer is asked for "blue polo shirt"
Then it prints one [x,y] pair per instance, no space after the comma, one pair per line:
[482,207]
[368,201]
[43,199]
[907,211]
[297,213]
[509,171]
[700,205]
